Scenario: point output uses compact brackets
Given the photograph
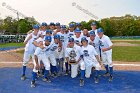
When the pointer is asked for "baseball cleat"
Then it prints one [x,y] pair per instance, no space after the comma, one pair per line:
[81,82]
[33,84]
[106,74]
[67,72]
[96,80]
[46,80]
[23,77]
[110,78]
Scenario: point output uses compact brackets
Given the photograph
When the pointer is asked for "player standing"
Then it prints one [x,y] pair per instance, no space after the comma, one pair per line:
[29,49]
[106,53]
[94,28]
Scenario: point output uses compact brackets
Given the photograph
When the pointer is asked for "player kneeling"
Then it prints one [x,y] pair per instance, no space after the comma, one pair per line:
[40,55]
[73,57]
[91,59]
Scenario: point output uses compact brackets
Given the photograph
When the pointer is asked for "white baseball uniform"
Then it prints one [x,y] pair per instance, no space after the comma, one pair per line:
[29,49]
[77,40]
[106,56]
[95,43]
[90,60]
[41,54]
[74,67]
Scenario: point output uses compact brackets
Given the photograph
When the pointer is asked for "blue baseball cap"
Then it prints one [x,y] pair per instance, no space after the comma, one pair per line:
[71,39]
[84,39]
[52,24]
[71,25]
[44,24]
[77,30]
[63,27]
[48,31]
[92,33]
[100,30]
[93,24]
[56,36]
[78,24]
[48,38]
[57,24]
[36,27]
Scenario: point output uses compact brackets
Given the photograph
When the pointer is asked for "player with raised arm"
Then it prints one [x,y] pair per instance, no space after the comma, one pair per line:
[29,49]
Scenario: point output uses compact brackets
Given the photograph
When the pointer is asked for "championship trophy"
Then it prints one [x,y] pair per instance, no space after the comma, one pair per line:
[72,59]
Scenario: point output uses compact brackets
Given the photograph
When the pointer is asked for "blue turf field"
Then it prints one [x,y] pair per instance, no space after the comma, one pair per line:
[124,82]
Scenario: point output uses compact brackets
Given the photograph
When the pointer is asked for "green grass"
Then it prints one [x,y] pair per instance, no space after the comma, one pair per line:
[11,44]
[122,53]
[126,53]
[132,42]
[125,38]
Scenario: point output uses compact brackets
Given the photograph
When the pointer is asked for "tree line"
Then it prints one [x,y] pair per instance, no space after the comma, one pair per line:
[127,25]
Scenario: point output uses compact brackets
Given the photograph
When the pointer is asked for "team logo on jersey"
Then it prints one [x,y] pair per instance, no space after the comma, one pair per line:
[62,38]
[100,43]
[53,48]
[76,41]
[86,53]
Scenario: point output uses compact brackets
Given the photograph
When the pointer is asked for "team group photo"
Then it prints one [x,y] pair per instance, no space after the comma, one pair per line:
[69,46]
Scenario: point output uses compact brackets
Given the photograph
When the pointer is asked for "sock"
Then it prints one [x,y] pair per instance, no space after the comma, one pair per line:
[106,67]
[82,74]
[34,76]
[24,69]
[96,73]
[43,70]
[52,69]
[70,67]
[55,69]
[111,71]
[46,73]
[66,64]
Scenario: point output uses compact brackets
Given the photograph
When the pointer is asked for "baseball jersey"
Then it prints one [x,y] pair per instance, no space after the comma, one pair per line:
[95,43]
[30,47]
[105,42]
[88,53]
[71,33]
[77,50]
[77,40]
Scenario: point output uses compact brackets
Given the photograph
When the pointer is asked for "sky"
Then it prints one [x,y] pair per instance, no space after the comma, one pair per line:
[65,11]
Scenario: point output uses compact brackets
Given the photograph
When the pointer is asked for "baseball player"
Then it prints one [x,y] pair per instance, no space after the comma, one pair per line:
[77,37]
[29,49]
[58,28]
[52,27]
[42,29]
[78,25]
[94,41]
[71,29]
[85,33]
[94,27]
[91,59]
[52,54]
[106,52]
[63,39]
[79,61]
[40,55]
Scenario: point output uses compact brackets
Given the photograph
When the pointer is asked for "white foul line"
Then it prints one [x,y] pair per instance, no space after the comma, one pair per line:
[113,64]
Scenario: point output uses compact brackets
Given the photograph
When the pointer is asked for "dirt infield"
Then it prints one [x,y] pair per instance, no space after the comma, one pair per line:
[13,59]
